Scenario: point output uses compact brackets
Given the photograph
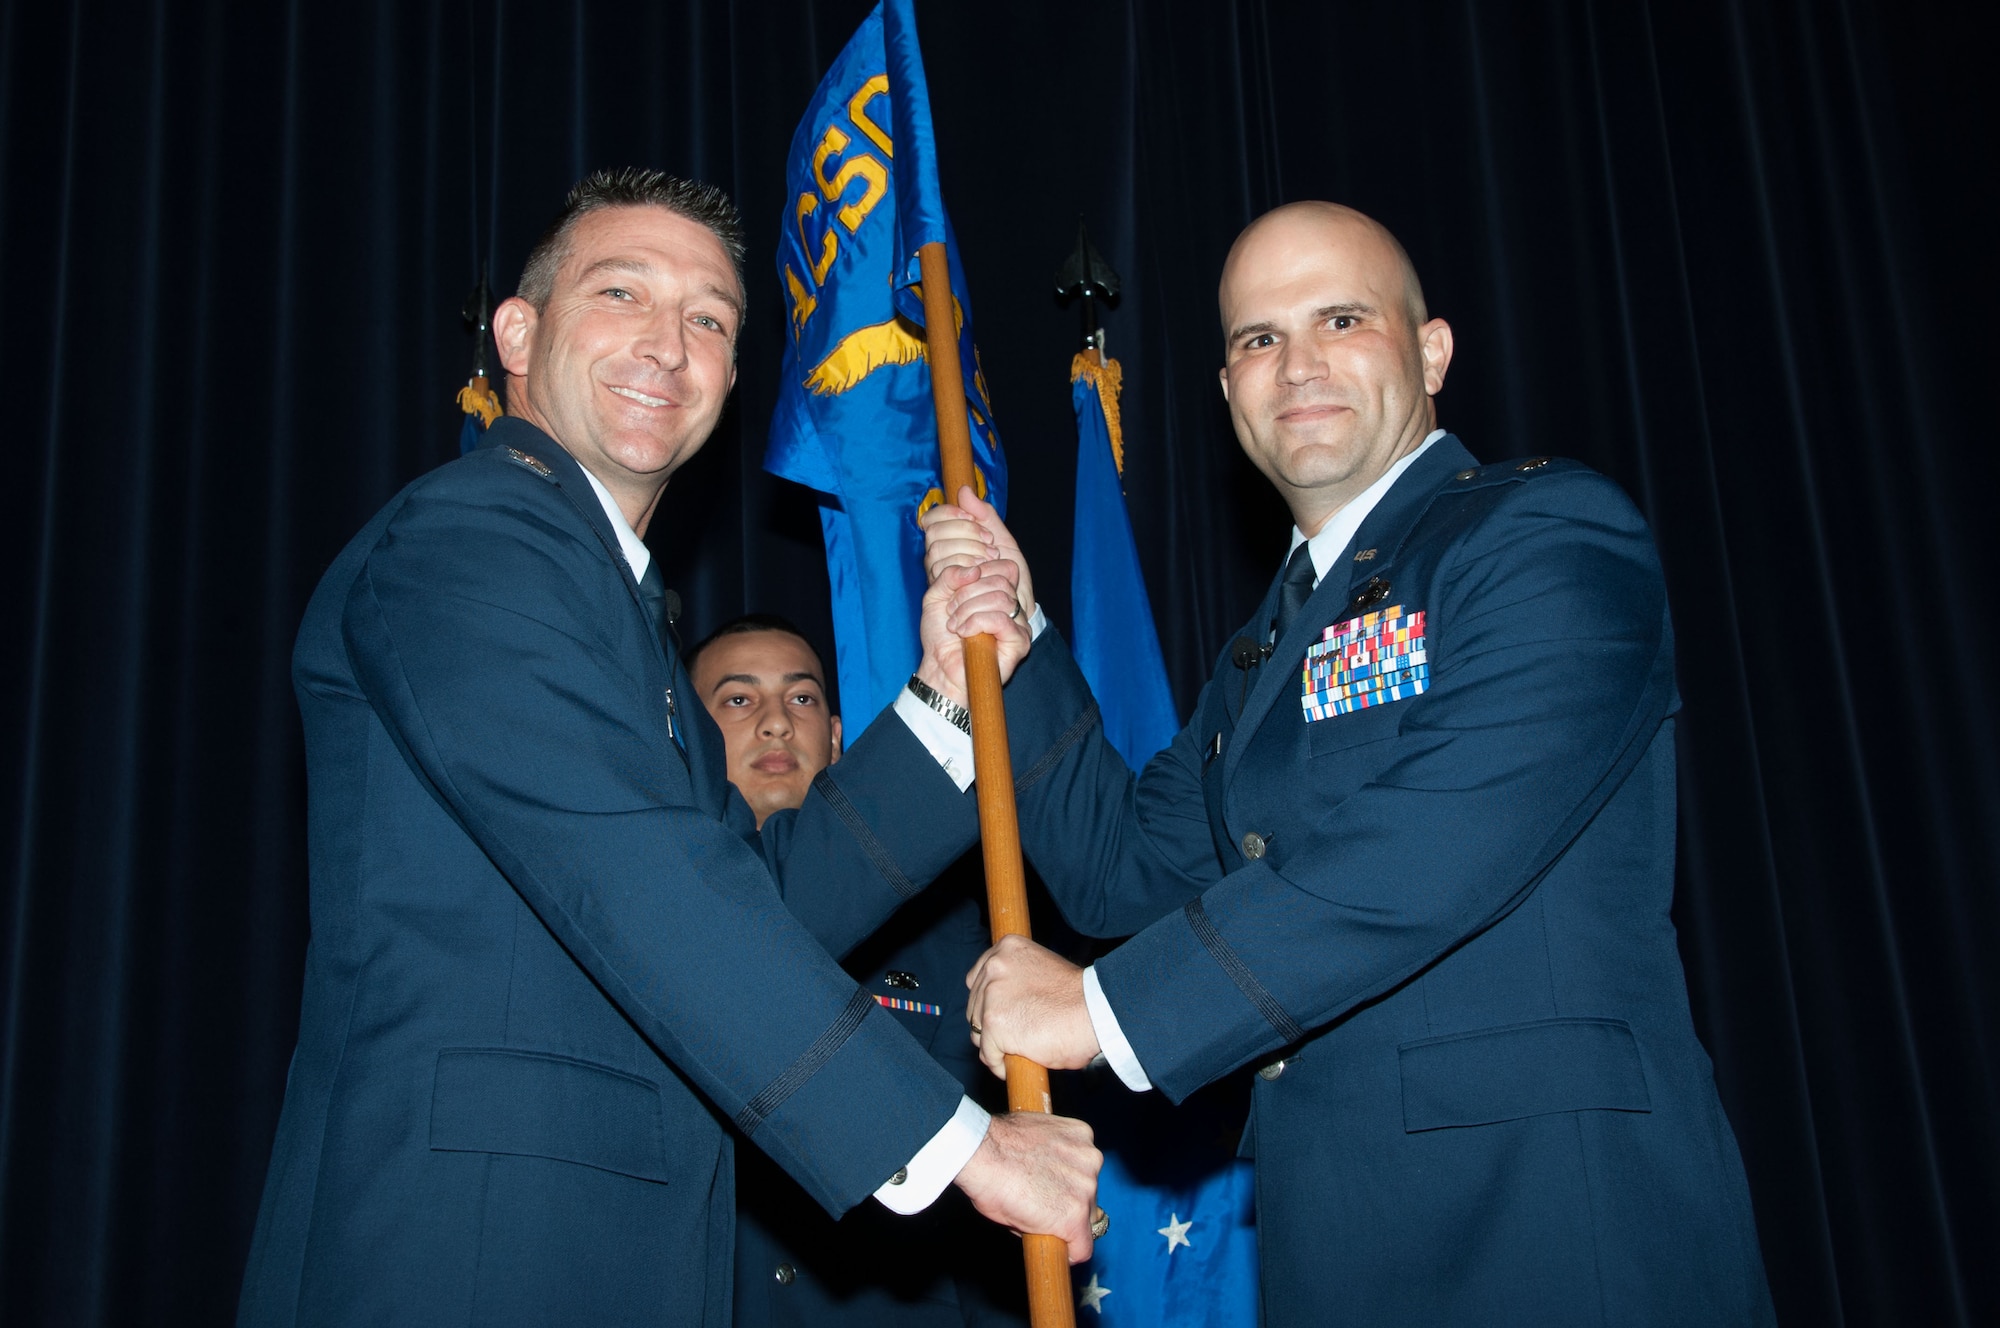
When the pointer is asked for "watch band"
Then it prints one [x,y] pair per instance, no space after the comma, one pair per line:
[957,715]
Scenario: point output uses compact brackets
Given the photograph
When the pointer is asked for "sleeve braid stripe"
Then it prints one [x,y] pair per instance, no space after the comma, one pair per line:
[758,1109]
[878,852]
[1239,973]
[1069,738]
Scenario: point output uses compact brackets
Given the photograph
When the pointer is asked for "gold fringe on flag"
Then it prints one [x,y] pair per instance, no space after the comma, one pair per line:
[1109,380]
[477,397]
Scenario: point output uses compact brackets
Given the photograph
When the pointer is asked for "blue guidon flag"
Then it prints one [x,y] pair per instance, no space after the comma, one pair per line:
[854,417]
[1115,643]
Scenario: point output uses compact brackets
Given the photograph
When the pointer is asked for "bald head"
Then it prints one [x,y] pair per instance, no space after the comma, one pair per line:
[1330,359]
[1312,222]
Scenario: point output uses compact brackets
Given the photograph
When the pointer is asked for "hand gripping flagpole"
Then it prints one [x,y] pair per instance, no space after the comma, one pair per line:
[999,824]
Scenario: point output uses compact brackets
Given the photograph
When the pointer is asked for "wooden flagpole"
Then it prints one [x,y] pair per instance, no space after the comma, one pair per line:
[999,824]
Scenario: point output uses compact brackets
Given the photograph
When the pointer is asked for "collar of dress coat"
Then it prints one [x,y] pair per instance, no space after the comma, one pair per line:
[526,441]
[1340,527]
[636,552]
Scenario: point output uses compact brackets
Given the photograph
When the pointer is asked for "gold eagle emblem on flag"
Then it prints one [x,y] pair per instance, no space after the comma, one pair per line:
[863,351]
[866,349]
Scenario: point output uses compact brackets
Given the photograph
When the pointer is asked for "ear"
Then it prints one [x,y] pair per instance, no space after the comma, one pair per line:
[1223,374]
[1435,337]
[514,334]
[836,740]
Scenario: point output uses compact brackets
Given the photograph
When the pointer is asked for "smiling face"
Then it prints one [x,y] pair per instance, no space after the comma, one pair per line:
[629,362]
[1329,366]
[767,693]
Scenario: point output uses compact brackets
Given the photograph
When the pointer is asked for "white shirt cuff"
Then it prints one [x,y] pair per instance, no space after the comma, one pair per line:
[938,1162]
[949,745]
[1118,1053]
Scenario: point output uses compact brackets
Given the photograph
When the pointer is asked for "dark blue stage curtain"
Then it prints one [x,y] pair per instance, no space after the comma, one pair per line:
[1736,253]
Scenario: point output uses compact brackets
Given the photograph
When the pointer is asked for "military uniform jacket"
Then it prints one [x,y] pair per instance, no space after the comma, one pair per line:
[1422,881]
[546,962]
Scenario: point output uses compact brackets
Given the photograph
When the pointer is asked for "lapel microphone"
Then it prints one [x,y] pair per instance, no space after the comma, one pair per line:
[1246,655]
[671,605]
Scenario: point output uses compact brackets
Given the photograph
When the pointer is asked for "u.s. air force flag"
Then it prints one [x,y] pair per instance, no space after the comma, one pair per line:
[854,416]
[1182,1249]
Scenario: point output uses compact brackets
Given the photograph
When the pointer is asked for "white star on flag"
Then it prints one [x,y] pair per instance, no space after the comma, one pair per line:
[1176,1232]
[1093,1295]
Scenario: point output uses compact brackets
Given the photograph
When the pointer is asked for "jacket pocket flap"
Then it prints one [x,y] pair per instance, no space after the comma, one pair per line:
[1501,1074]
[532,1104]
[1336,733]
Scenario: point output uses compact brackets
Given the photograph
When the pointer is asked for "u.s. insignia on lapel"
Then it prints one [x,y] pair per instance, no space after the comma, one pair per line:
[1366,661]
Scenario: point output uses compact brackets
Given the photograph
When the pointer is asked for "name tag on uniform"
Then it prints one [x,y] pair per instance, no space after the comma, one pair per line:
[1366,661]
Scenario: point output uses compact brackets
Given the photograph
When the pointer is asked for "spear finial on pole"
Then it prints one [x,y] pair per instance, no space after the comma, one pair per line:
[1085,274]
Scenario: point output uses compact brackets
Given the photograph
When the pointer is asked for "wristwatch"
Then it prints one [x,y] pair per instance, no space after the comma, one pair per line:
[959,717]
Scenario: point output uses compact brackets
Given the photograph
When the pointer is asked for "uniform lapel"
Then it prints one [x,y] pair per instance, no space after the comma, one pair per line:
[1384,531]
[1394,518]
[507,431]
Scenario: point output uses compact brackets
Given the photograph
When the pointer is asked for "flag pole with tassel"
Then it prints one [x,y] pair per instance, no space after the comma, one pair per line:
[477,398]
[999,823]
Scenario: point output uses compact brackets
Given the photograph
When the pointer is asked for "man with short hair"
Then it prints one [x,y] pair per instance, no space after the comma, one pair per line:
[1412,858]
[765,687]
[549,967]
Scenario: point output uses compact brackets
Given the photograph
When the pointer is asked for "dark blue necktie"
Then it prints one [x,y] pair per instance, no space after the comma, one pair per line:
[1295,590]
[653,594]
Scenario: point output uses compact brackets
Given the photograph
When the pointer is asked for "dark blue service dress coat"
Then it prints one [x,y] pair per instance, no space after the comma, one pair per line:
[546,966]
[1438,923]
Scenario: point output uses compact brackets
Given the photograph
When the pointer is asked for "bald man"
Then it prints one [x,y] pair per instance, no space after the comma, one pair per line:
[1412,859]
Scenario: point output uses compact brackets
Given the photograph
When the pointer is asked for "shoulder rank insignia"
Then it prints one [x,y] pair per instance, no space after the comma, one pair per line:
[520,458]
[1366,661]
[1502,471]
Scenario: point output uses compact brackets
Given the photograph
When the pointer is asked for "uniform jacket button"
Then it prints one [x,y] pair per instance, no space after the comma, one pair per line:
[1271,1071]
[1253,846]
[785,1274]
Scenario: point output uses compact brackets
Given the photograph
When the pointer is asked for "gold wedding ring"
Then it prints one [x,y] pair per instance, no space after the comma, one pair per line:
[1100,1222]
